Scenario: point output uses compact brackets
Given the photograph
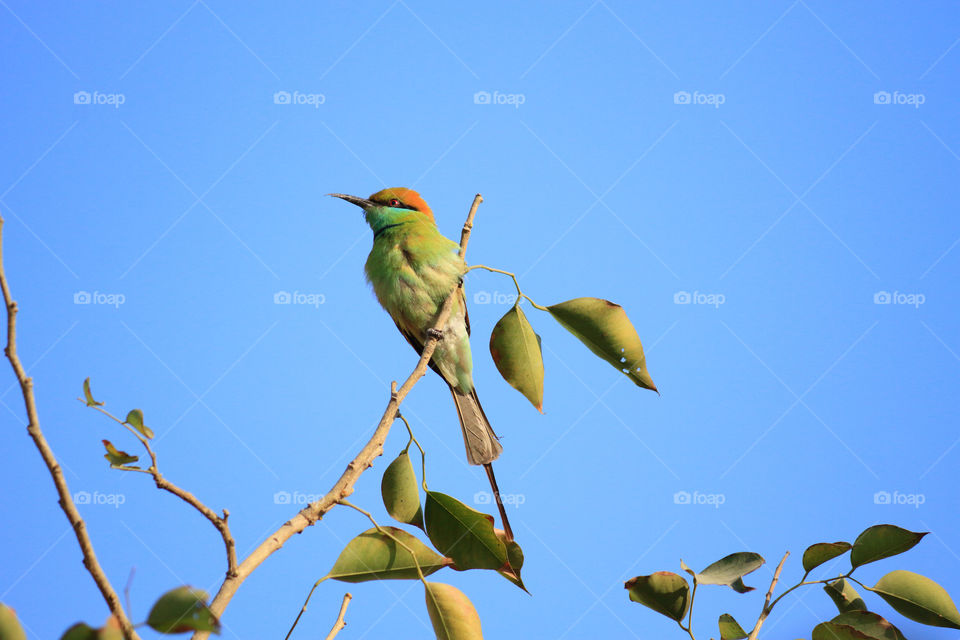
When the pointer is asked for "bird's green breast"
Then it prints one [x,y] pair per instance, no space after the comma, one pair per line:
[413,268]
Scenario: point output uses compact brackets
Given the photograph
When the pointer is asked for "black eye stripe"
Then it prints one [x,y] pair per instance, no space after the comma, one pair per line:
[402,206]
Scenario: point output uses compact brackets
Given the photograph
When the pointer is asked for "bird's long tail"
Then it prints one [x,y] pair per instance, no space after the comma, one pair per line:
[483,446]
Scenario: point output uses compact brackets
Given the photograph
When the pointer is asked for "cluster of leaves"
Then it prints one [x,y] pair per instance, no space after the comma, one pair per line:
[466,538]
[601,325]
[180,610]
[134,421]
[462,539]
[914,596]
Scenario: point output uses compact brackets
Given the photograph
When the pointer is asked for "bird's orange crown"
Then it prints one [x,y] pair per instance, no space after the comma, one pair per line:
[402,198]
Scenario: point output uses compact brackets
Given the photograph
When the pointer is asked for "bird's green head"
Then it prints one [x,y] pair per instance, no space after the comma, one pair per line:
[389,206]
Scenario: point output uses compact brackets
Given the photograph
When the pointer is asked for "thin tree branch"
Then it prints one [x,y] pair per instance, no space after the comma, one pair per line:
[66,499]
[341,622]
[220,522]
[343,487]
[766,603]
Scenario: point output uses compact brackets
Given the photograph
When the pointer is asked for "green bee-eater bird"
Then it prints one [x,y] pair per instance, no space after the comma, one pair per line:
[413,268]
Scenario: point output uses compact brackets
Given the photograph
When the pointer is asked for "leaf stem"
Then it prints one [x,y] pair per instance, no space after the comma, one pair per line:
[218,521]
[689,627]
[413,557]
[304,607]
[520,294]
[423,454]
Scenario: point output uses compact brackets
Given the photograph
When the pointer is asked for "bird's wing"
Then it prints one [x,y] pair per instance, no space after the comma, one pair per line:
[466,314]
[417,344]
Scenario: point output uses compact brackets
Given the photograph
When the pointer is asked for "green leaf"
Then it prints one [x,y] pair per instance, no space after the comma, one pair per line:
[463,534]
[135,420]
[511,570]
[859,625]
[730,629]
[834,631]
[664,591]
[918,598]
[10,628]
[730,570]
[452,614]
[115,457]
[604,327]
[88,395]
[515,349]
[183,609]
[683,565]
[373,555]
[817,554]
[79,631]
[869,623]
[882,541]
[401,494]
[844,596]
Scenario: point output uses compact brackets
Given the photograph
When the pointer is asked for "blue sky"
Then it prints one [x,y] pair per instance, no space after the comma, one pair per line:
[787,169]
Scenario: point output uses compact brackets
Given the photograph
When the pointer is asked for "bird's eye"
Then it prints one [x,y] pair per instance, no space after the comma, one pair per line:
[394,202]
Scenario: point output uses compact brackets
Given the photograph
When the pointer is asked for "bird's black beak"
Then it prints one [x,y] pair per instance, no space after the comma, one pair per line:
[363,203]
